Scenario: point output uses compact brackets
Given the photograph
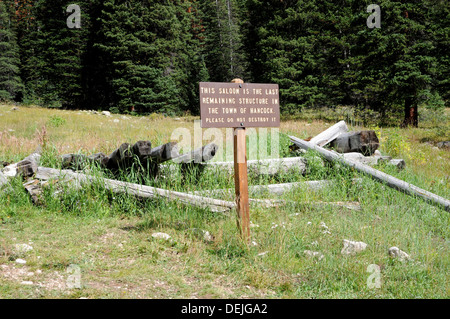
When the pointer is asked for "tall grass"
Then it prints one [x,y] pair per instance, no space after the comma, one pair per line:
[109,235]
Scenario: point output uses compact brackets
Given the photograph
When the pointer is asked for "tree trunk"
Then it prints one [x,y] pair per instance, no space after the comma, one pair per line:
[411,113]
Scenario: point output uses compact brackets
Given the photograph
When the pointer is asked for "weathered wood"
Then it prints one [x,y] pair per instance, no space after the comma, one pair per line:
[268,203]
[142,149]
[376,174]
[79,161]
[26,167]
[274,189]
[3,180]
[120,157]
[262,167]
[241,183]
[34,188]
[368,160]
[164,152]
[365,142]
[330,134]
[199,155]
[74,161]
[142,191]
[374,160]
[10,170]
[399,163]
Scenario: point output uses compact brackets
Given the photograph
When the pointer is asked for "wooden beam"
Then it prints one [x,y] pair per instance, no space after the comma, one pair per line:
[241,180]
[3,180]
[263,167]
[164,152]
[330,134]
[241,183]
[199,155]
[376,174]
[26,167]
[365,142]
[142,191]
[274,189]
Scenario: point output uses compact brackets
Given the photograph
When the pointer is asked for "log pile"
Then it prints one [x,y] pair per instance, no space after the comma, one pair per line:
[359,146]
[124,156]
[354,149]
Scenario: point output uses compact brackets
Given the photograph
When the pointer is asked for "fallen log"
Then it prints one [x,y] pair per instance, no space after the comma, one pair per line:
[365,142]
[330,134]
[34,188]
[274,189]
[164,152]
[3,180]
[376,174]
[142,149]
[399,163]
[268,203]
[26,167]
[375,160]
[262,167]
[142,191]
[120,157]
[199,155]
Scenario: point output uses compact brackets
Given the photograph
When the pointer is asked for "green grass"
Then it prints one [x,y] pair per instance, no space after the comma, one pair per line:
[108,236]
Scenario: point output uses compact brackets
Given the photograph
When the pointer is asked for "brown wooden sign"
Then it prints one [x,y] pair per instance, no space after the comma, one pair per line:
[239,105]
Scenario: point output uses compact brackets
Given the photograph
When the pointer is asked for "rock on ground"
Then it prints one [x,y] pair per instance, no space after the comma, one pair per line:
[353,247]
[395,252]
[161,236]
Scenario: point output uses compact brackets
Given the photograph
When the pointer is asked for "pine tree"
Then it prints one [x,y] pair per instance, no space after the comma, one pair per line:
[295,44]
[397,65]
[10,82]
[438,22]
[223,49]
[52,54]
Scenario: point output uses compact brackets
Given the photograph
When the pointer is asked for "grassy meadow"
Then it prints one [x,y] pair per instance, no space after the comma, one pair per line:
[108,237]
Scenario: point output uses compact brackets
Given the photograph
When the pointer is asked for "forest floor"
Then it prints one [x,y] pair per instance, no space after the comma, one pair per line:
[92,244]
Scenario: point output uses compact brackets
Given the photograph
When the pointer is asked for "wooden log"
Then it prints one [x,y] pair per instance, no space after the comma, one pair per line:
[142,149]
[375,160]
[120,157]
[73,161]
[399,163]
[365,142]
[268,203]
[263,167]
[377,175]
[79,161]
[26,167]
[164,152]
[3,180]
[368,160]
[330,134]
[34,188]
[142,191]
[274,189]
[199,155]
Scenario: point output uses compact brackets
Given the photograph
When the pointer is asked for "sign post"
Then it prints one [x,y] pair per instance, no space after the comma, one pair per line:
[241,179]
[239,105]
